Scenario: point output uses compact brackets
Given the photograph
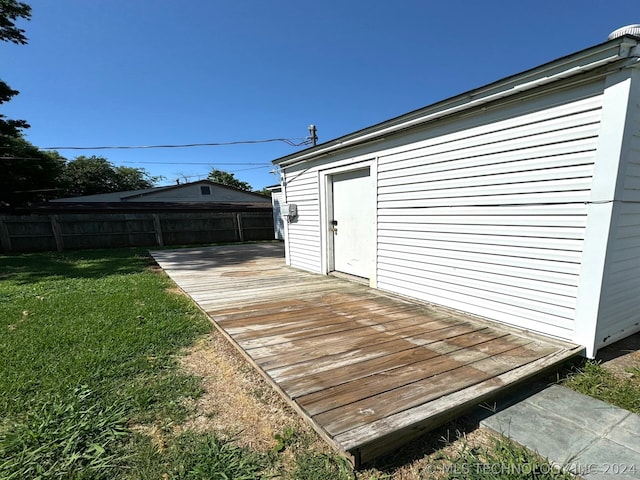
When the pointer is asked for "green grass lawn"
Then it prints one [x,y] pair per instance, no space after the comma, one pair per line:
[89,350]
[89,346]
[596,381]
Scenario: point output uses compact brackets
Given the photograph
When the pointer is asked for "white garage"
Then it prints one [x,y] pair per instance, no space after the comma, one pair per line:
[518,201]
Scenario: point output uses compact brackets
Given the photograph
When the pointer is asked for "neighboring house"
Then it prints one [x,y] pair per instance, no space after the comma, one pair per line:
[185,214]
[518,201]
[278,219]
[195,192]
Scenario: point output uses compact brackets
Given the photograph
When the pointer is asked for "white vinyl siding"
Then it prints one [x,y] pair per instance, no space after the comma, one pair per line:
[303,242]
[278,221]
[620,311]
[490,220]
[195,193]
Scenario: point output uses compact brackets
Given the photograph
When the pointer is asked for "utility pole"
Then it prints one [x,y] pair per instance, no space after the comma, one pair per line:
[313,135]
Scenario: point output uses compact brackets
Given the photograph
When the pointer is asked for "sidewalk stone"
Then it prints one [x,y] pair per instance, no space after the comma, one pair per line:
[605,459]
[591,438]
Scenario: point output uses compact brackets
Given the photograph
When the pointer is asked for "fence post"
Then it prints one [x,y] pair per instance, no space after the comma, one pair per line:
[239,223]
[57,232]
[128,220]
[158,229]
[5,238]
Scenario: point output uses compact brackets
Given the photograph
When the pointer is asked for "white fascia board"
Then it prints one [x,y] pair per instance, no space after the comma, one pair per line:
[584,61]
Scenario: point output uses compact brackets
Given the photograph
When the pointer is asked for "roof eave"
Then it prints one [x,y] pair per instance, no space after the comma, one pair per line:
[565,67]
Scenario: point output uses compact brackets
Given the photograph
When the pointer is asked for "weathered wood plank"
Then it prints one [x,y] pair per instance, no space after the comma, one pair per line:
[360,336]
[244,289]
[400,376]
[405,339]
[314,382]
[311,366]
[5,238]
[214,300]
[373,439]
[317,322]
[367,370]
[447,381]
[258,309]
[277,309]
[274,323]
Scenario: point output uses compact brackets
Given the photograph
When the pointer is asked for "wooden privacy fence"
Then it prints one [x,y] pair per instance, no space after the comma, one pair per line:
[66,231]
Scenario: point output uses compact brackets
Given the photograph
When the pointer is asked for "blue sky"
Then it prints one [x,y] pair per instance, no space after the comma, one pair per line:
[134,72]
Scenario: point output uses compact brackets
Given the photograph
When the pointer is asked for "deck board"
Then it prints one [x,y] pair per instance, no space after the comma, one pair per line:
[382,360]
[367,370]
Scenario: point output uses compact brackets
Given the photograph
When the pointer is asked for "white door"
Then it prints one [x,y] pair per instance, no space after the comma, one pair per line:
[352,223]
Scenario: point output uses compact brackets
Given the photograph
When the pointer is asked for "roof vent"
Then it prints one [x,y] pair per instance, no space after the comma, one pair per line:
[633,30]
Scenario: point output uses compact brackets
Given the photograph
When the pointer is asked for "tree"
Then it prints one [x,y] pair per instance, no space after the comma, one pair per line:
[265,191]
[135,178]
[10,128]
[89,176]
[93,175]
[228,178]
[10,11]
[29,175]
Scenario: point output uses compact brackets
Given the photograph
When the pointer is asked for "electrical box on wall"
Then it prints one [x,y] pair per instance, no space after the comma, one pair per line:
[289,210]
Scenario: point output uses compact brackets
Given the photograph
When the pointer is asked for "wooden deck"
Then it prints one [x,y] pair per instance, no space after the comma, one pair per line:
[368,370]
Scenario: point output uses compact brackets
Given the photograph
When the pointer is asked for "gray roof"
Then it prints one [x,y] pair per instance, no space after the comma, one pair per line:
[128,195]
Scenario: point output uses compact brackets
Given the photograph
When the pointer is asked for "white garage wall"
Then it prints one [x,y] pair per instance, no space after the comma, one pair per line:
[483,216]
[619,314]
[490,220]
[303,233]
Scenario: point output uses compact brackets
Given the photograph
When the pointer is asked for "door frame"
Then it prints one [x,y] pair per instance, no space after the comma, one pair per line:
[325,183]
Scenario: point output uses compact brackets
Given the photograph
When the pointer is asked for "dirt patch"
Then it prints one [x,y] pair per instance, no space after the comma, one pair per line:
[237,401]
[175,291]
[430,456]
[154,433]
[239,404]
[622,355]
[154,266]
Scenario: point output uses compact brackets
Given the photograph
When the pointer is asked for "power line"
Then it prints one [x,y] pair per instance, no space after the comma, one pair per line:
[261,164]
[290,142]
[132,162]
[252,168]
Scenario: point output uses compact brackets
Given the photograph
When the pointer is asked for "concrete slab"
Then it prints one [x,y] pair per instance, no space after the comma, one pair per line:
[583,411]
[538,429]
[591,438]
[627,432]
[605,459]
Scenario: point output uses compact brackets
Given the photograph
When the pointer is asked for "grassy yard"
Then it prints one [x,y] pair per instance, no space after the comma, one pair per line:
[88,347]
[107,371]
[595,380]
